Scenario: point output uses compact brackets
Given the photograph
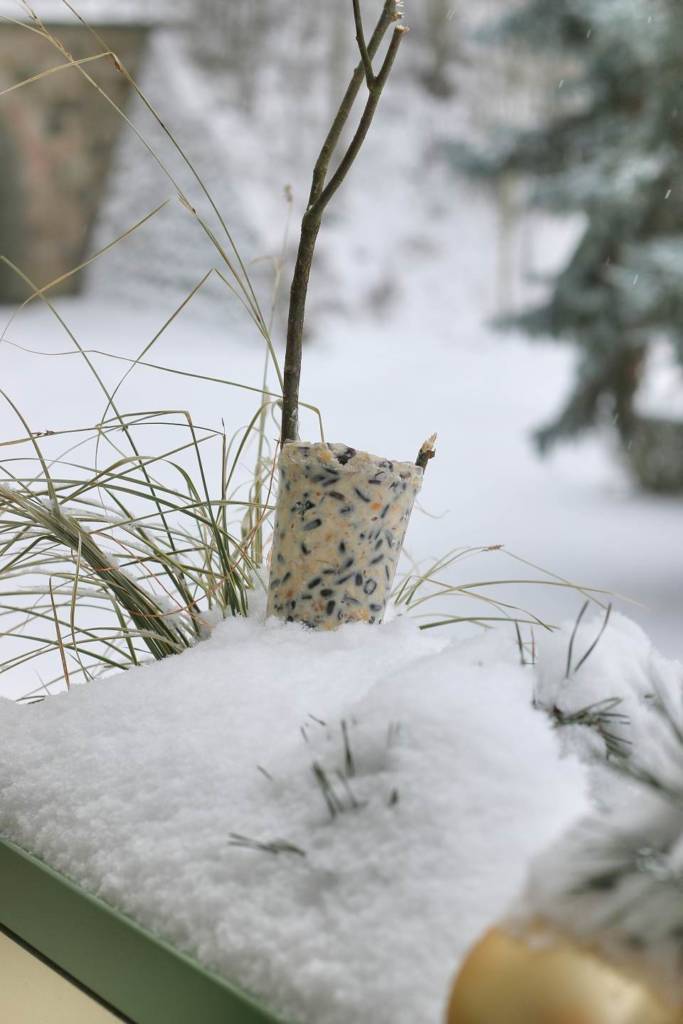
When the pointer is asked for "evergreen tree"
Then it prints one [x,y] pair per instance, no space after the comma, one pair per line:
[612,150]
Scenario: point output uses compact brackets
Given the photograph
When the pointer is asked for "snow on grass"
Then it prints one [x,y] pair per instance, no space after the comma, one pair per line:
[155,788]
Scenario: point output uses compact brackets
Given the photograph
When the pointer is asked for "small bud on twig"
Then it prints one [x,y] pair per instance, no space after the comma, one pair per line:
[427,451]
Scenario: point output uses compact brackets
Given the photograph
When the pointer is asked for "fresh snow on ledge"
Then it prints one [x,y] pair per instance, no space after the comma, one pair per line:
[133,785]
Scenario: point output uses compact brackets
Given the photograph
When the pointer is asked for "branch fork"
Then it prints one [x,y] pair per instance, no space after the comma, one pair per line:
[323,190]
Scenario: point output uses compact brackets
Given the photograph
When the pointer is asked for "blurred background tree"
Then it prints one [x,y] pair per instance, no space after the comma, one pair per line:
[611,150]
[439,18]
[581,99]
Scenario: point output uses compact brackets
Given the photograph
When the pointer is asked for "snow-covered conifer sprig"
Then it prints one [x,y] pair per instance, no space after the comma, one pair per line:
[616,880]
[604,718]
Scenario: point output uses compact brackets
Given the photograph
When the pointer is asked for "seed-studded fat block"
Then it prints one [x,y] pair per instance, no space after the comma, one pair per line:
[340,522]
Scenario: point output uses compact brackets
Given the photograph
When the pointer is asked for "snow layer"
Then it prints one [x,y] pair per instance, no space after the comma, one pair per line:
[136,787]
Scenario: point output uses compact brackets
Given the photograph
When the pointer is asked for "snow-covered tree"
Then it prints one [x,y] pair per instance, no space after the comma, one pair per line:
[612,150]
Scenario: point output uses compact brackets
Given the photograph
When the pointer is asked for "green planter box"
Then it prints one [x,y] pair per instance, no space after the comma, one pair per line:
[136,974]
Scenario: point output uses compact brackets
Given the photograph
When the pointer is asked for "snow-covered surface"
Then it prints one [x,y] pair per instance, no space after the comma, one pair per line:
[134,785]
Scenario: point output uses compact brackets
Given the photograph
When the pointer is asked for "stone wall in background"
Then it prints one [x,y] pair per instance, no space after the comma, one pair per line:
[56,140]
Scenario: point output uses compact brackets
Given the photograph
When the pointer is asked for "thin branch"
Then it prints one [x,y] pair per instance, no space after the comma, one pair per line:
[389,14]
[321,194]
[360,39]
[364,124]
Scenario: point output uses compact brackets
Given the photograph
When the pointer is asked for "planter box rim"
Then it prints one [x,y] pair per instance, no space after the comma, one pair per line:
[125,966]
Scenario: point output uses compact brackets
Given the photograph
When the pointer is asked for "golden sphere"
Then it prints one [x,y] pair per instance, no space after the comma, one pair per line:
[550,980]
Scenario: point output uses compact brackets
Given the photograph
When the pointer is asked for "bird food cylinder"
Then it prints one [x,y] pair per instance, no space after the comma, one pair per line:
[340,522]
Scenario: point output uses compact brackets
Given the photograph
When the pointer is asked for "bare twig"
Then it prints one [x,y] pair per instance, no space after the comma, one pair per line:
[427,451]
[360,39]
[322,192]
[365,121]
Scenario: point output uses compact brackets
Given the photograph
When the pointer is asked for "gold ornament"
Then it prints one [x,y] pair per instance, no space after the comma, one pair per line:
[543,978]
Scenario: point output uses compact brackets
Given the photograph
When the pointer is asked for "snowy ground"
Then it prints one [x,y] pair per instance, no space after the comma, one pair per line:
[332,819]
